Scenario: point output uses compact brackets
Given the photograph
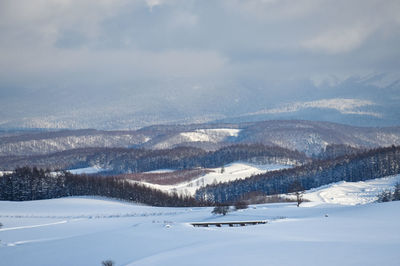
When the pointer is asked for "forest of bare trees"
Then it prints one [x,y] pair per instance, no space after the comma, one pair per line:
[124,160]
[27,183]
[374,163]
[34,184]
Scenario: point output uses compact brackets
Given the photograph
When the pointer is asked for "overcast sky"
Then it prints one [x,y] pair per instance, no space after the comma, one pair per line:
[135,49]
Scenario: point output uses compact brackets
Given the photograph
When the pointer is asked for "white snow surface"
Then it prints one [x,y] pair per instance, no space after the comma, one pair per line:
[87,170]
[211,135]
[160,171]
[233,171]
[5,172]
[214,135]
[86,231]
[352,193]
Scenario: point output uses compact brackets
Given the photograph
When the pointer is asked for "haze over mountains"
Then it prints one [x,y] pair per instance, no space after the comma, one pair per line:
[354,101]
[128,64]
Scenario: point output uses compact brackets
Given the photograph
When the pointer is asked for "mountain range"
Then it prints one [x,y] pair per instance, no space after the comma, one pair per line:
[310,137]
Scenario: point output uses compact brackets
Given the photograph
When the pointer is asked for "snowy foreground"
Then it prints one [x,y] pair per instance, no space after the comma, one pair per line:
[86,231]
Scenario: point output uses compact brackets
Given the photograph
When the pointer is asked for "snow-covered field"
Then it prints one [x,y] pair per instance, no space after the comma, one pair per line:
[160,171]
[86,231]
[231,172]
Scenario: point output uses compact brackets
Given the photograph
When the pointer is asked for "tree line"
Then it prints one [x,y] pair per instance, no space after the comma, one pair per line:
[374,163]
[123,160]
[35,184]
[26,183]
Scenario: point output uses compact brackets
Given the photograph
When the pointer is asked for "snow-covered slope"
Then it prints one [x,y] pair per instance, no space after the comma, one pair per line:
[4,172]
[230,172]
[87,170]
[83,231]
[213,135]
[352,193]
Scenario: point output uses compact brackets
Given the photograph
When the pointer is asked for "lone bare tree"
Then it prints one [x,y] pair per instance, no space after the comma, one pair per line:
[239,205]
[221,209]
[107,263]
[298,190]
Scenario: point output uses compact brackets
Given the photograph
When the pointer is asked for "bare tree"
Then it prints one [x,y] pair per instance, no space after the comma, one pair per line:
[222,169]
[396,193]
[385,196]
[221,209]
[239,205]
[107,263]
[298,190]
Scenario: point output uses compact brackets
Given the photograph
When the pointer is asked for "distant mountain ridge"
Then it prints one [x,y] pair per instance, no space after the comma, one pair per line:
[310,137]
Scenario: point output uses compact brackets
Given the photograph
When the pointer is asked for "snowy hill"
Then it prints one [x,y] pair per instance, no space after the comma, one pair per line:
[234,171]
[215,135]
